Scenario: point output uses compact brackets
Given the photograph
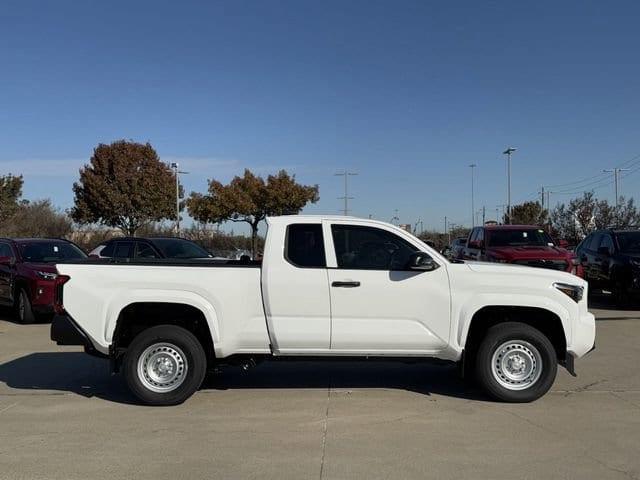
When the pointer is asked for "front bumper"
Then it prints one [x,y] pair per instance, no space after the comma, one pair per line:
[583,335]
[65,331]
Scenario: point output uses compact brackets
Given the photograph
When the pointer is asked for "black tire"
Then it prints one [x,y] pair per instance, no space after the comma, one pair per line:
[516,336]
[180,345]
[23,310]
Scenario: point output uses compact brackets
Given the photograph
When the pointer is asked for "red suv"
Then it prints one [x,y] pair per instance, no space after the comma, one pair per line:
[521,245]
[28,273]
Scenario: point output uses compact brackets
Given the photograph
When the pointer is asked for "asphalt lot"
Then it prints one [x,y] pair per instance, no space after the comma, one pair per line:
[62,416]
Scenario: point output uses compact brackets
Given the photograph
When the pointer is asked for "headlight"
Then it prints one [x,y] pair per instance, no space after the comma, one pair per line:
[573,291]
[575,261]
[46,275]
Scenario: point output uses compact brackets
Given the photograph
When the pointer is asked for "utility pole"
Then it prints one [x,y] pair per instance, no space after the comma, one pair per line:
[473,223]
[446,232]
[616,179]
[484,214]
[176,169]
[542,197]
[346,197]
[508,153]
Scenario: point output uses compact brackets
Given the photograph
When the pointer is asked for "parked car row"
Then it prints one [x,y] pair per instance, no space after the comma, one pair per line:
[608,259]
[28,272]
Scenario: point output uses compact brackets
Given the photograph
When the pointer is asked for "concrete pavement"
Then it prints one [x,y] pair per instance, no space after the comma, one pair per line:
[62,416]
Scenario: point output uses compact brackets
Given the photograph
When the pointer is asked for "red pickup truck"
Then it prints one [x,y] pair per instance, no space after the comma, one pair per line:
[28,273]
[519,244]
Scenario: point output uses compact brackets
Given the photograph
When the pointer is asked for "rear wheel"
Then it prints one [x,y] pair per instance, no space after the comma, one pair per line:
[515,363]
[23,309]
[164,365]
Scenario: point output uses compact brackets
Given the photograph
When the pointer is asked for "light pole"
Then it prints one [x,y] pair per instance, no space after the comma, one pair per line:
[508,153]
[473,221]
[177,171]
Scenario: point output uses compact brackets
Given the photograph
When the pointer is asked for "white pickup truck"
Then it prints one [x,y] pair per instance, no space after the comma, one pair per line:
[327,287]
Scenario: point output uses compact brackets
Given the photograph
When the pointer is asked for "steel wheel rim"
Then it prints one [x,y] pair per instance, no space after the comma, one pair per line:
[516,365]
[162,367]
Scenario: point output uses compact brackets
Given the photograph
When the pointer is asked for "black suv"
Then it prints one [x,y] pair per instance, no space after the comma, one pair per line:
[611,261]
[140,248]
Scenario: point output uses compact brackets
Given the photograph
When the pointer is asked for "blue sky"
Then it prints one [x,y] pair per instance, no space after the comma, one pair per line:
[407,94]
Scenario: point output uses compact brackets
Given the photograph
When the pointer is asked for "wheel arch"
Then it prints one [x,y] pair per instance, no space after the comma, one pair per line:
[546,320]
[135,317]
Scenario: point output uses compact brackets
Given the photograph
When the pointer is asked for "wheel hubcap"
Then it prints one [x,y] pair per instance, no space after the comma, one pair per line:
[516,365]
[162,367]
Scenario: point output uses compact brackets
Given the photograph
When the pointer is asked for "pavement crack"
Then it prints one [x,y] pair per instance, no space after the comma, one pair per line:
[625,400]
[324,431]
[584,388]
[2,410]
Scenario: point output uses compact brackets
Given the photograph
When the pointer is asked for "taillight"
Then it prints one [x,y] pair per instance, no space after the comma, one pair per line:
[58,307]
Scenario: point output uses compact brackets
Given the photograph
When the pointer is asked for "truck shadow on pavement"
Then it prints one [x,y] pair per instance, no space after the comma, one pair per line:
[81,374]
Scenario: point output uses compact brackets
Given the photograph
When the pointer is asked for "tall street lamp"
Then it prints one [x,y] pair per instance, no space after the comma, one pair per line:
[177,172]
[508,153]
[473,221]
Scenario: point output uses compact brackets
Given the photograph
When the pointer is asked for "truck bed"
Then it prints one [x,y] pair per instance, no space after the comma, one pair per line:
[228,293]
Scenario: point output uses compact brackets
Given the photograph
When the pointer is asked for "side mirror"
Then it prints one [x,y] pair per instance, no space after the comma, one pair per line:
[421,261]
[8,261]
[603,251]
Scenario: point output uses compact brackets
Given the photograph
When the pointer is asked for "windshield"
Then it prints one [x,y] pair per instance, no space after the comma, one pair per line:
[178,248]
[49,252]
[534,237]
[628,241]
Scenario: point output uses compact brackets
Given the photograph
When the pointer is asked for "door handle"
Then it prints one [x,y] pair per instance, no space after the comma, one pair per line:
[345,284]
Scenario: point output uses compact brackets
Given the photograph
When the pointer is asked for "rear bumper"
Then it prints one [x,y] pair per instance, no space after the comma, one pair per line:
[65,331]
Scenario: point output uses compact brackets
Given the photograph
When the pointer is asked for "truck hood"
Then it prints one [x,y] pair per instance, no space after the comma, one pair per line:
[530,253]
[524,271]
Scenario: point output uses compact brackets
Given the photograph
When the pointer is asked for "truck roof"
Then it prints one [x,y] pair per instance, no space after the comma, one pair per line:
[286,219]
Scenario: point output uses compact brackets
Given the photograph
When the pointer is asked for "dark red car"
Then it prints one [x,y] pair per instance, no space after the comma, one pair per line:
[519,244]
[28,273]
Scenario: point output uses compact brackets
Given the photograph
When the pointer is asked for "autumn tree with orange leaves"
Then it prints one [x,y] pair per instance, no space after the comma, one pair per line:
[251,199]
[125,185]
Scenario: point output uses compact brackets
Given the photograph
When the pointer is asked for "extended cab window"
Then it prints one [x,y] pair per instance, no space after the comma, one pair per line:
[367,248]
[305,245]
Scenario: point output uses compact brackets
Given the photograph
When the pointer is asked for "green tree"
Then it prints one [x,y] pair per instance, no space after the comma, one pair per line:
[251,199]
[10,193]
[528,213]
[125,185]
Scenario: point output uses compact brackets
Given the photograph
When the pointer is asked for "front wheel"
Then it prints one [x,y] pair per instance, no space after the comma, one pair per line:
[516,363]
[23,308]
[164,365]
